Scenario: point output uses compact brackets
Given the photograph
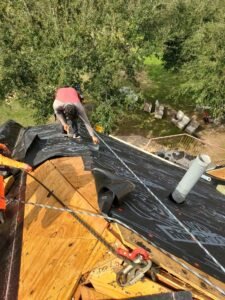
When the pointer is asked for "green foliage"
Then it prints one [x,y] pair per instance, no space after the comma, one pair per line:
[102,45]
[50,44]
[106,116]
[194,43]
[172,53]
[204,73]
[115,108]
[16,112]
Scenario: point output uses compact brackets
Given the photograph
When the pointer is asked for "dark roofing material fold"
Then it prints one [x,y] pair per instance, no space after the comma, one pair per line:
[202,213]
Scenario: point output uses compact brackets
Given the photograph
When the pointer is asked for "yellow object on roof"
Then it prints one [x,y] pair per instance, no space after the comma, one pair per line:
[6,161]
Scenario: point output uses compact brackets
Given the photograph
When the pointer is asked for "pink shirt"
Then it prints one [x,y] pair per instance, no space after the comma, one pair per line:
[67,95]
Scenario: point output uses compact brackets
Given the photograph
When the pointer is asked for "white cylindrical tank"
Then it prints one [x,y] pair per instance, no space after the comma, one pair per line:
[191,177]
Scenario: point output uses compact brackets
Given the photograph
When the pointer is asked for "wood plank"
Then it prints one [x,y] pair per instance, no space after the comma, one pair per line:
[131,239]
[87,293]
[31,184]
[178,285]
[55,246]
[90,293]
[104,281]
[218,173]
[103,275]
[101,255]
[51,268]
[83,181]
[8,182]
[221,188]
[72,168]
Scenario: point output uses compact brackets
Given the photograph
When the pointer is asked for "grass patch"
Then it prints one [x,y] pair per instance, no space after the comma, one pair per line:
[164,85]
[144,124]
[17,113]
[163,81]
[156,84]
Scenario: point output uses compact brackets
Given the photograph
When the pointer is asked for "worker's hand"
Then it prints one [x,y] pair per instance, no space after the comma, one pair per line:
[5,149]
[95,140]
[28,168]
[66,127]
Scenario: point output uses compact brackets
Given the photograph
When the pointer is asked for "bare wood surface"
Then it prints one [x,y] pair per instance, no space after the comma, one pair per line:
[55,246]
[87,293]
[104,281]
[219,173]
[172,267]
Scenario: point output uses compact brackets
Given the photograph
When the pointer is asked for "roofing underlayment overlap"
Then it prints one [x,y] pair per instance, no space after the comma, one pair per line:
[202,213]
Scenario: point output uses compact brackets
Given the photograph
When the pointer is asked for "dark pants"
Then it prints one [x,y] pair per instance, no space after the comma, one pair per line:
[74,125]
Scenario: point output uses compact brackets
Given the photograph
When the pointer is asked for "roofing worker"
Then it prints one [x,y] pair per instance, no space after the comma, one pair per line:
[5,162]
[68,107]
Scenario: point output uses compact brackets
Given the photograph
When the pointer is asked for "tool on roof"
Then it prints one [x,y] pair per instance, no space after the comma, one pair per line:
[132,273]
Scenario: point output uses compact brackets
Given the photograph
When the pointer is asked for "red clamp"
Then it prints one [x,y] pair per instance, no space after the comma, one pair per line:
[133,255]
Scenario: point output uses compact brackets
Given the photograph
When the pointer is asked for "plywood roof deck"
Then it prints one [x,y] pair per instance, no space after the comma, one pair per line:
[57,251]
[55,247]
[60,259]
[218,173]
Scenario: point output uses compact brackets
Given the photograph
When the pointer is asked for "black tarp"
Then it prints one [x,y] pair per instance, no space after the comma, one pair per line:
[166,296]
[202,213]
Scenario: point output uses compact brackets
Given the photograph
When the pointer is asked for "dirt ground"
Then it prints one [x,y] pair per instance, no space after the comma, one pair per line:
[212,135]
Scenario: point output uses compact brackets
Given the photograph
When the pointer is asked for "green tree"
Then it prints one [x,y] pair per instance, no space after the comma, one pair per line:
[50,44]
[194,43]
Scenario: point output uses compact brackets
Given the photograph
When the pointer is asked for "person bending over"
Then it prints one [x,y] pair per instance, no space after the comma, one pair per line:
[67,108]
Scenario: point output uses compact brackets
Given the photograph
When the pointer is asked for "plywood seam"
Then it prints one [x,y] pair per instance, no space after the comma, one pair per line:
[77,190]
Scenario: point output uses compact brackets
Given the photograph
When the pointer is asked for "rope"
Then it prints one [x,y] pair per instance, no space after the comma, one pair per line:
[80,220]
[103,216]
[167,210]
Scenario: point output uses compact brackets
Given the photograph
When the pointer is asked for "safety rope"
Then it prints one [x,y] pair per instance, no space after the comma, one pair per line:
[80,220]
[167,209]
[161,203]
[103,216]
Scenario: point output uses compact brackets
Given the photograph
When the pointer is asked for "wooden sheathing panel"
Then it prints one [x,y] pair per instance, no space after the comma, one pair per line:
[104,267]
[218,173]
[55,246]
[32,185]
[51,267]
[82,181]
[200,289]
[101,255]
[104,281]
[84,292]
[89,293]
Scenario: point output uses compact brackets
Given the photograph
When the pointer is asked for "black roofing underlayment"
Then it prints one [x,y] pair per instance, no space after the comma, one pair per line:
[202,213]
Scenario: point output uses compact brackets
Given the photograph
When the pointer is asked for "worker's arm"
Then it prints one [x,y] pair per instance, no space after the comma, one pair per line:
[5,161]
[58,110]
[84,118]
[81,97]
